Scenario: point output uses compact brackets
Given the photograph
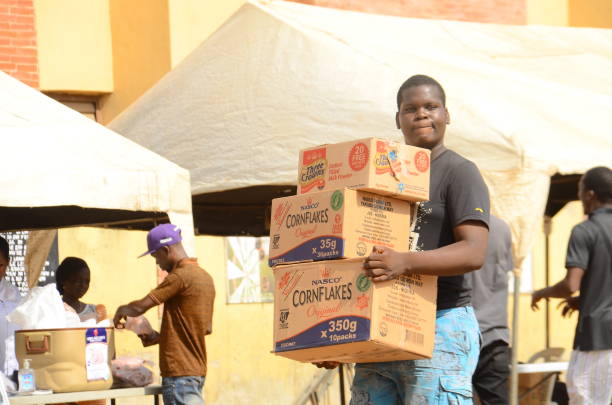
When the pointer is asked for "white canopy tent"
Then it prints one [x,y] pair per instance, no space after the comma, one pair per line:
[63,169]
[526,102]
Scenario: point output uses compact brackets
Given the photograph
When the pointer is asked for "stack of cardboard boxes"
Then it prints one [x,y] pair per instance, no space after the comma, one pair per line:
[351,196]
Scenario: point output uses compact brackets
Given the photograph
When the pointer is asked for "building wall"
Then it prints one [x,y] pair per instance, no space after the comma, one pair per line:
[141,51]
[548,12]
[18,52]
[493,11]
[192,21]
[74,46]
[590,13]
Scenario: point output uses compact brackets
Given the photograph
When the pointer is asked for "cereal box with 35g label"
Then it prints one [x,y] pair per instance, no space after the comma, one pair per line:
[372,164]
[337,224]
[331,311]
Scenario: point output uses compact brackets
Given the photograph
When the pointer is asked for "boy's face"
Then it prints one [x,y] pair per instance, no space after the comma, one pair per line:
[4,262]
[77,285]
[422,116]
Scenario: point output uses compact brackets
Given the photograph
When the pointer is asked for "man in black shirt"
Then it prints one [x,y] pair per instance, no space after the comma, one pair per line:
[589,269]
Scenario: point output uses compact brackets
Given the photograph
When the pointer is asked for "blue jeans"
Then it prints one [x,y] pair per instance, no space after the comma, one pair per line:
[183,390]
[446,378]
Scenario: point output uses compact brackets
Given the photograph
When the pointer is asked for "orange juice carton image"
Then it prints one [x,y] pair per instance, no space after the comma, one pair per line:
[337,224]
[331,311]
[371,164]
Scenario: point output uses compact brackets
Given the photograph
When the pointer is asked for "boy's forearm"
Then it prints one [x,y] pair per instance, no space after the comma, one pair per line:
[456,259]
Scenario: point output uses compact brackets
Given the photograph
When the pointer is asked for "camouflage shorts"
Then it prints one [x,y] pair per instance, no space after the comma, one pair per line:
[446,378]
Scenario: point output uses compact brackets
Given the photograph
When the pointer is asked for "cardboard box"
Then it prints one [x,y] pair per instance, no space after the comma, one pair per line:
[372,164]
[337,224]
[330,311]
[58,357]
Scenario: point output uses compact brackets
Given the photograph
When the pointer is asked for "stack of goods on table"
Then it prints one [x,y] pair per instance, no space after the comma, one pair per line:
[352,196]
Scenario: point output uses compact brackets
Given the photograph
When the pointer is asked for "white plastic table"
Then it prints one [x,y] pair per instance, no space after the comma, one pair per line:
[547,372]
[154,390]
[550,367]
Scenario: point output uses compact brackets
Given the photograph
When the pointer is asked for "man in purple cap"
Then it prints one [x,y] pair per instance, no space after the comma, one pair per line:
[188,295]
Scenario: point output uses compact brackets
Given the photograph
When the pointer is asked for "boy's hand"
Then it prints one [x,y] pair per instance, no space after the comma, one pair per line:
[384,264]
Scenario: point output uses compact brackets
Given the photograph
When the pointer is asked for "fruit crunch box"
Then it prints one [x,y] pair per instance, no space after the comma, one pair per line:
[330,311]
[371,164]
[337,224]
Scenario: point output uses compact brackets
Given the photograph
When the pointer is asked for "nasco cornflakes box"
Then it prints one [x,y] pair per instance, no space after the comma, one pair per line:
[371,164]
[337,224]
[331,311]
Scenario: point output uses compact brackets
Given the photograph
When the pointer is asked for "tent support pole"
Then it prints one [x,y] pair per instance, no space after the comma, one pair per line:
[547,230]
[514,351]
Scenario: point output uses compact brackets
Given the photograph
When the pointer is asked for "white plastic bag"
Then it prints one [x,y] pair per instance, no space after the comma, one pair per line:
[139,325]
[42,308]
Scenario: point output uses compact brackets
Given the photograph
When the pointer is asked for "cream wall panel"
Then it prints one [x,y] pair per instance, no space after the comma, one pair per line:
[74,45]
[548,12]
[192,21]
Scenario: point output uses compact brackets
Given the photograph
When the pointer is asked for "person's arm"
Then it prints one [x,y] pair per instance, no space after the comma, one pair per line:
[133,309]
[466,254]
[563,289]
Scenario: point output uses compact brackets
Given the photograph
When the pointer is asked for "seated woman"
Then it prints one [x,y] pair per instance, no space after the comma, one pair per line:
[72,281]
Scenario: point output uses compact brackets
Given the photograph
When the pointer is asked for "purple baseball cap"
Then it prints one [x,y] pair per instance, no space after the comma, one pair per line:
[162,235]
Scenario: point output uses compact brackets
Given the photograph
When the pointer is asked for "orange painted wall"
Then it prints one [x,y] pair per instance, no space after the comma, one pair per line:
[491,11]
[18,54]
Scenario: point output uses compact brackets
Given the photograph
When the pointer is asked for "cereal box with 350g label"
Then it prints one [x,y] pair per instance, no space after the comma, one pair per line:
[331,311]
[337,224]
[372,164]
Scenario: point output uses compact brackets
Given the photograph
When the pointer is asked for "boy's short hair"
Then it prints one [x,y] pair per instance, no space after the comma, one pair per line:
[420,80]
[4,248]
[599,180]
[67,268]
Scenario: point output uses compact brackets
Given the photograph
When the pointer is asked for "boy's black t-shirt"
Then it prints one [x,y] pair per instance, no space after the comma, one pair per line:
[457,193]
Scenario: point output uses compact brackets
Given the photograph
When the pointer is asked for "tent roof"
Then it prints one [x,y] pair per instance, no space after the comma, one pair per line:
[62,169]
[279,76]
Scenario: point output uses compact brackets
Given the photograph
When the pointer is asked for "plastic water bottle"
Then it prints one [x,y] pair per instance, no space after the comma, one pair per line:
[26,378]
